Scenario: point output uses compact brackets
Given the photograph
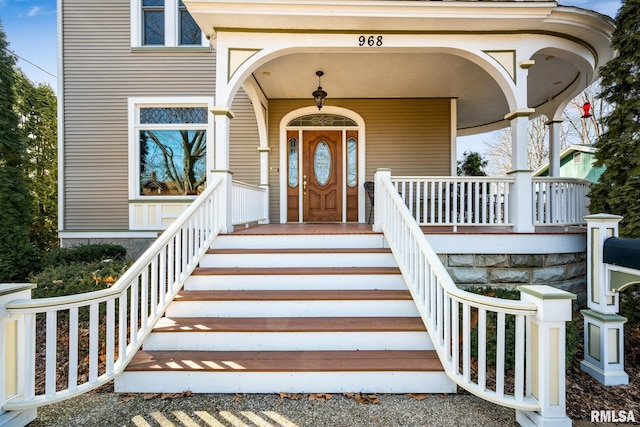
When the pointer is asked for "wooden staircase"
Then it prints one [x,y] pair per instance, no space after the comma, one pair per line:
[290,313]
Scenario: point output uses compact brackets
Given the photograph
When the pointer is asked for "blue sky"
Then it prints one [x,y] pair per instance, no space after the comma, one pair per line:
[30,26]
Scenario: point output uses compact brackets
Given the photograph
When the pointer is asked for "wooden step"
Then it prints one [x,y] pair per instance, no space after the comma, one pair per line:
[290,324]
[287,361]
[295,295]
[293,271]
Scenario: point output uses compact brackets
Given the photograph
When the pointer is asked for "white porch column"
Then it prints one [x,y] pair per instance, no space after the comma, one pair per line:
[521,204]
[12,355]
[222,122]
[547,351]
[603,327]
[264,177]
[554,147]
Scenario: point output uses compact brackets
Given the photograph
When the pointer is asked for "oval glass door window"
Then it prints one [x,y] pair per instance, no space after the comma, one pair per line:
[322,163]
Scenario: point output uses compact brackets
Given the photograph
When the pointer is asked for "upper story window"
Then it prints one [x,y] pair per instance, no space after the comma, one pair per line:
[163,23]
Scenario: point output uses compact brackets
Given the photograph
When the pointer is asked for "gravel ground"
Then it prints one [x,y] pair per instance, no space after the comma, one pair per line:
[272,410]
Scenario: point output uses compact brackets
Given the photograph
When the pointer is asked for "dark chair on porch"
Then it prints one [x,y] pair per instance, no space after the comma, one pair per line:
[369,188]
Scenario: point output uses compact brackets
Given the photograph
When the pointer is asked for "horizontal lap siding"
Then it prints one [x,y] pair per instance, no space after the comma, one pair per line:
[244,159]
[100,73]
[409,136]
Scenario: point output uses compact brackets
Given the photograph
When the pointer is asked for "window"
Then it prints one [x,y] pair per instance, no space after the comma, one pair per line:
[293,162]
[169,148]
[189,32]
[163,23]
[352,162]
[577,158]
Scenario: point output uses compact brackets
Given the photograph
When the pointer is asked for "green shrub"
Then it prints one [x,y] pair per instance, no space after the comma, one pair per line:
[78,277]
[85,253]
[629,303]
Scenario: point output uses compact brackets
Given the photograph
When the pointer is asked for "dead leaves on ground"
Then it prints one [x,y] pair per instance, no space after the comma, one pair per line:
[127,397]
[363,397]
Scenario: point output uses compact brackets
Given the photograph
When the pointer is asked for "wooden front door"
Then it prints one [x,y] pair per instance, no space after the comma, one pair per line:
[322,176]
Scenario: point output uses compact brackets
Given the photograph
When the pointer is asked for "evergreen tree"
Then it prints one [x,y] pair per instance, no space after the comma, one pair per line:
[472,164]
[618,190]
[39,125]
[17,254]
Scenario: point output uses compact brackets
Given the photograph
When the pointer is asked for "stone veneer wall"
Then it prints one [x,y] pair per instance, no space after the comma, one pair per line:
[567,271]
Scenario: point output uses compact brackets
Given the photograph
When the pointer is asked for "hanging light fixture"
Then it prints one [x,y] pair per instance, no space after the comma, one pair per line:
[319,95]
[586,108]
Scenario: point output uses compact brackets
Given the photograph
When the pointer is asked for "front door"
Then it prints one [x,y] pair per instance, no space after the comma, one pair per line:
[322,176]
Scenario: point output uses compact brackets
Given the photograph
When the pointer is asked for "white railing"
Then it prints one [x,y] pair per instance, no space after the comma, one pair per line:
[559,201]
[456,200]
[463,325]
[120,318]
[249,203]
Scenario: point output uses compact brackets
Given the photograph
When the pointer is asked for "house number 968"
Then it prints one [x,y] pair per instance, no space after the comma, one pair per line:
[370,41]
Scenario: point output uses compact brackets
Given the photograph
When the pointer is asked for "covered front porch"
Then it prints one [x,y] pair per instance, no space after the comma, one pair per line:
[404,80]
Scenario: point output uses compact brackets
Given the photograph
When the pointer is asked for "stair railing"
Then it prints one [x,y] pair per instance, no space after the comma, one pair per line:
[508,352]
[120,318]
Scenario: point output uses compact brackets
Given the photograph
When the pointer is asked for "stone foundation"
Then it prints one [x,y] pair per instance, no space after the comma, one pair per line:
[566,271]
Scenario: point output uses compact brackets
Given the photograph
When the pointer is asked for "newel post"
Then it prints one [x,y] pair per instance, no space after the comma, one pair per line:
[11,356]
[378,205]
[224,202]
[546,348]
[603,327]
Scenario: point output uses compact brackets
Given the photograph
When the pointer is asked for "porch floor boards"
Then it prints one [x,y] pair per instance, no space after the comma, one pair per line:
[294,295]
[287,361]
[356,228]
[290,324]
[292,271]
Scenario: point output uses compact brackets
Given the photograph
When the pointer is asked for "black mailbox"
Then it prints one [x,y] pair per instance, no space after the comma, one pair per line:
[622,252]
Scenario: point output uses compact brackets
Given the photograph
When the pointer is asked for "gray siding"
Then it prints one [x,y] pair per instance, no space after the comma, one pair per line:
[410,136]
[244,159]
[100,72]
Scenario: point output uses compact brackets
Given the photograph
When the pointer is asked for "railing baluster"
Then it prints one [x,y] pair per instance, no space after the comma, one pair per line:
[72,379]
[466,341]
[500,344]
[27,358]
[519,359]
[455,336]
[122,325]
[110,336]
[133,312]
[482,349]
[94,329]
[51,352]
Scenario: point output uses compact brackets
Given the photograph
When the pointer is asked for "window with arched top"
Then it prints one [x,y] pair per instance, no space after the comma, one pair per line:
[323,120]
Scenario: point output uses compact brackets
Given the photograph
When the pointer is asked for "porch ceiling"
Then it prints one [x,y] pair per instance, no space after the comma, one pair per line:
[415,74]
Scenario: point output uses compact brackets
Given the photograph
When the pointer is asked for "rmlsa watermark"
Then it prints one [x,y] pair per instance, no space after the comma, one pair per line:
[610,416]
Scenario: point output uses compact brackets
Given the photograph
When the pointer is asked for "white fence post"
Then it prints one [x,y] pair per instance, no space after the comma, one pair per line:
[378,198]
[10,354]
[546,333]
[603,327]
[224,204]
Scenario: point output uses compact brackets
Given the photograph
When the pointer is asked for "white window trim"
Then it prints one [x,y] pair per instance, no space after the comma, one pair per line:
[171,26]
[134,105]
